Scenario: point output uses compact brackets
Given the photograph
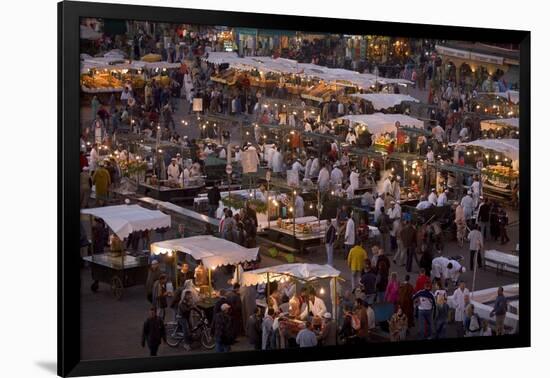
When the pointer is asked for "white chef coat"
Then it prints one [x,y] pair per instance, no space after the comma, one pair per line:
[336,176]
[349,236]
[442,200]
[317,307]
[173,171]
[439,266]
[351,138]
[323,179]
[307,172]
[454,272]
[314,171]
[458,303]
[238,155]
[299,206]
[468,204]
[277,162]
[396,190]
[222,154]
[432,198]
[430,156]
[387,187]
[94,157]
[354,180]
[297,166]
[395,215]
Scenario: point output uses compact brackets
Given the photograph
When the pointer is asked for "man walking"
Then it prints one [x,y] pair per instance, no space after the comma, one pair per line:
[426,305]
[356,262]
[222,329]
[499,311]
[153,332]
[214,198]
[330,238]
[476,246]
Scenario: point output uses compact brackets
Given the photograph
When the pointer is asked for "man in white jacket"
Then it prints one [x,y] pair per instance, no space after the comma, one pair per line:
[336,176]
[459,299]
[349,236]
[323,180]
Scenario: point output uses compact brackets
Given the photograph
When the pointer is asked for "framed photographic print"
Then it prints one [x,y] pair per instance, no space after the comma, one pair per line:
[237,187]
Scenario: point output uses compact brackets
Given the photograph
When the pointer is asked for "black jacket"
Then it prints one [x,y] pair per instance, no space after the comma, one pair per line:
[214,196]
[153,331]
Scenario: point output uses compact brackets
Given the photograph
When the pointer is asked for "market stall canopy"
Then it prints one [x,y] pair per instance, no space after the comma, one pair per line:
[493,123]
[125,219]
[302,272]
[378,123]
[384,100]
[213,251]
[508,147]
[336,76]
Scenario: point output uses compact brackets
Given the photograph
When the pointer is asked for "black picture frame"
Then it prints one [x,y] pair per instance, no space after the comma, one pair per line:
[69,361]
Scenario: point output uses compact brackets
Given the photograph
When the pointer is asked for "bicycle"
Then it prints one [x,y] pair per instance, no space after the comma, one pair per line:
[199,328]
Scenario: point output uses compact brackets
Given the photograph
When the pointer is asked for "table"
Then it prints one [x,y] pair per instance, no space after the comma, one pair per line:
[117,271]
[165,193]
[502,262]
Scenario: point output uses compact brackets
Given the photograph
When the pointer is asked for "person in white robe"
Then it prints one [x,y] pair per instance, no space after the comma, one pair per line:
[323,179]
[354,179]
[378,205]
[315,167]
[299,206]
[467,204]
[432,198]
[442,199]
[307,170]
[277,161]
[336,176]
[476,191]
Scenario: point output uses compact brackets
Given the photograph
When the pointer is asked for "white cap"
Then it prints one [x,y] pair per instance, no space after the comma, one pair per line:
[327,315]
[433,189]
[154,262]
[225,306]
[86,169]
[469,192]
[398,178]
[463,269]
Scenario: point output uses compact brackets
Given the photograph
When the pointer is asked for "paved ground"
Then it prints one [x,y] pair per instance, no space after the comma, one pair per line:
[112,329]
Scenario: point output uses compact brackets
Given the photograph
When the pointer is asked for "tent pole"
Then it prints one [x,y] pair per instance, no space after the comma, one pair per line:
[210,282]
[334,300]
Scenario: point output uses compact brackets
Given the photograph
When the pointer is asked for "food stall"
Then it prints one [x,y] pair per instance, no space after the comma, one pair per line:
[500,128]
[381,126]
[384,101]
[323,278]
[500,174]
[213,252]
[118,268]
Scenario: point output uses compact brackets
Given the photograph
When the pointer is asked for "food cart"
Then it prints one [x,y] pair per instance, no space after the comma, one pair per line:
[312,275]
[120,269]
[500,174]
[214,253]
[500,128]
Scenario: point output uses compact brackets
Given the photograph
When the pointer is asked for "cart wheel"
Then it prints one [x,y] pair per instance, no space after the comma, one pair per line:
[95,286]
[116,287]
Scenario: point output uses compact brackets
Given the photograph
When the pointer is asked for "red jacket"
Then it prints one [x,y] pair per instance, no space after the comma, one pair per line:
[420,282]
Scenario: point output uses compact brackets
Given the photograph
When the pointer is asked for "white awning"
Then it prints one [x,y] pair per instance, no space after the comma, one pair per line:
[303,272]
[494,123]
[289,66]
[508,147]
[384,100]
[213,251]
[125,219]
[379,123]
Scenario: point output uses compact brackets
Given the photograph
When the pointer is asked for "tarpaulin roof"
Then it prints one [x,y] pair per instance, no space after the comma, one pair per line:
[378,123]
[508,147]
[289,66]
[211,250]
[384,100]
[303,272]
[125,219]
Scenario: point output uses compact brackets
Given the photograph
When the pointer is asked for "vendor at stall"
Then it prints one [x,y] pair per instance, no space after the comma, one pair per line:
[185,274]
[423,204]
[173,171]
[201,275]
[336,176]
[314,306]
[299,206]
[432,198]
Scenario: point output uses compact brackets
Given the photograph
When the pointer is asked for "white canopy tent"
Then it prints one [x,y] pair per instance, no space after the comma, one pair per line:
[302,272]
[379,123]
[305,273]
[289,66]
[494,123]
[384,100]
[125,219]
[214,252]
[508,147]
